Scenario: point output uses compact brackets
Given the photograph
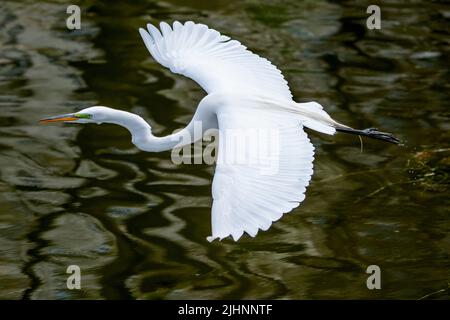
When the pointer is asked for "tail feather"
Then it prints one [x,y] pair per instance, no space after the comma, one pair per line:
[312,116]
[319,120]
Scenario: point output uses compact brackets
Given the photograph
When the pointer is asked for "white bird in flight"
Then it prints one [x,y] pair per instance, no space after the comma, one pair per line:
[244,92]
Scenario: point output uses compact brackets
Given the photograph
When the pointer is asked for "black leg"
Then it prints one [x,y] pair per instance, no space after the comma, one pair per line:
[371,133]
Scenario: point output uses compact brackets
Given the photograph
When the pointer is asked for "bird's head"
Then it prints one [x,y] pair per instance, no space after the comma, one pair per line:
[96,114]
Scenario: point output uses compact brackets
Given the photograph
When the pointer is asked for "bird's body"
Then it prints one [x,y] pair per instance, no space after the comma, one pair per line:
[255,183]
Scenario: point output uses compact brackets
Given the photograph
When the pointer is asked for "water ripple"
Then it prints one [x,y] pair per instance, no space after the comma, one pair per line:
[137,224]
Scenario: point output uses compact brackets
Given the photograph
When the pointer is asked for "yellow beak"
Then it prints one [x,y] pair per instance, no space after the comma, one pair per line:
[64,117]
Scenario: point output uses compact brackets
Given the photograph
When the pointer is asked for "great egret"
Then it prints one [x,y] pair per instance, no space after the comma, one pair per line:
[244,91]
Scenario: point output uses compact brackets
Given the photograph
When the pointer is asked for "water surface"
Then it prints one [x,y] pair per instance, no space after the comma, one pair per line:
[137,224]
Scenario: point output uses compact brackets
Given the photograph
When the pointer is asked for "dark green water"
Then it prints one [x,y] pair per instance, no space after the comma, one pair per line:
[137,224]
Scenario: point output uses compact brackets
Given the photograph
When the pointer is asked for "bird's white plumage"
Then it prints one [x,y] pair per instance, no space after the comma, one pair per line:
[251,192]
[215,62]
[246,197]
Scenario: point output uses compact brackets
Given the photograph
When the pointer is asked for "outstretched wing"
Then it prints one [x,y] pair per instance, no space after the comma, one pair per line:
[215,62]
[264,164]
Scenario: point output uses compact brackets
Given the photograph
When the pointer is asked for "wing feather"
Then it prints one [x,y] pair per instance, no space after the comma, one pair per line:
[215,62]
[250,194]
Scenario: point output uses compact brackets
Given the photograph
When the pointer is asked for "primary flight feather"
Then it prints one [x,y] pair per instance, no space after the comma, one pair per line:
[247,97]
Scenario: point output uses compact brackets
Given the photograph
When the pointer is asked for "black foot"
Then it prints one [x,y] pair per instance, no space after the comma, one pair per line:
[372,133]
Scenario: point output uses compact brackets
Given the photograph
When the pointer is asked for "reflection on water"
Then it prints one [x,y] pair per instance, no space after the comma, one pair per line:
[136,224]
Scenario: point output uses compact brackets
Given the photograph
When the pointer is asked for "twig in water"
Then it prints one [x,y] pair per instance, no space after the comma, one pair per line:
[436,292]
[361,142]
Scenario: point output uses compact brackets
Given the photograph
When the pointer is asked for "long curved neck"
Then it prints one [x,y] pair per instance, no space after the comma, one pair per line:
[142,136]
